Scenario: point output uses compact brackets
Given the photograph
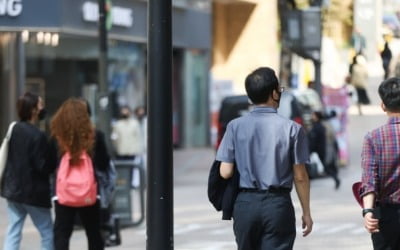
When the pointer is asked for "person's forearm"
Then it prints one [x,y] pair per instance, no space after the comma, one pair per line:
[226,170]
[303,192]
[369,200]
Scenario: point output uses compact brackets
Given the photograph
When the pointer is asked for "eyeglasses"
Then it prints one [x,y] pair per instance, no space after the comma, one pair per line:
[281,89]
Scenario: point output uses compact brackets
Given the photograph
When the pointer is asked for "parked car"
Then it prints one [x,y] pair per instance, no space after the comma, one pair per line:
[231,108]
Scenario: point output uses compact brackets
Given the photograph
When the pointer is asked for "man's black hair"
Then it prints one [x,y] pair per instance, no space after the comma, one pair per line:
[389,91]
[260,84]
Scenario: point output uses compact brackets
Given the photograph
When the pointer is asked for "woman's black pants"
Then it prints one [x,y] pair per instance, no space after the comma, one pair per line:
[64,225]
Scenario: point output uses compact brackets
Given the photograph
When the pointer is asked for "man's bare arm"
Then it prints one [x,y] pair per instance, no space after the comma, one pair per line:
[302,184]
[370,223]
[226,170]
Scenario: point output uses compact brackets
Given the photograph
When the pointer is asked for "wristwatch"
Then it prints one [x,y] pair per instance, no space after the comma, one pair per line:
[367,210]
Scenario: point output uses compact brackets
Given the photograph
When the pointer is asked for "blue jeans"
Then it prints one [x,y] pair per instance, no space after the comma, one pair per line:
[41,218]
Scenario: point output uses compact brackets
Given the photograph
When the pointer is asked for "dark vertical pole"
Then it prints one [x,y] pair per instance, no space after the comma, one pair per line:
[103,121]
[12,77]
[160,173]
[317,77]
[20,65]
[318,54]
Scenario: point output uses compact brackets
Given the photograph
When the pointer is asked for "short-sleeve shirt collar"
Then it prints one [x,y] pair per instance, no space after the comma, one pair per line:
[264,109]
[394,120]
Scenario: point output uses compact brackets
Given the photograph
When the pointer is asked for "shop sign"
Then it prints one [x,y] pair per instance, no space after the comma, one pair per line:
[10,7]
[120,16]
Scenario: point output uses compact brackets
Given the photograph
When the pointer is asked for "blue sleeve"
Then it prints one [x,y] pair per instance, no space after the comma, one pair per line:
[226,150]
[301,150]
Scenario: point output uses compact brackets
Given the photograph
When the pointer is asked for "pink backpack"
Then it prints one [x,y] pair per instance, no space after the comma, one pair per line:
[76,185]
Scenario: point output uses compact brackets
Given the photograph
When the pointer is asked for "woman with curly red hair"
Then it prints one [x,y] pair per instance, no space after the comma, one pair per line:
[74,133]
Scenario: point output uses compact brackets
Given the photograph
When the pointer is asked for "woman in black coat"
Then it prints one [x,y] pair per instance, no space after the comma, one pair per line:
[25,181]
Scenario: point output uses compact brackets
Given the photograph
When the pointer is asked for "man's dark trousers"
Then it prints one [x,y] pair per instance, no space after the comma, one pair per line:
[388,237]
[264,221]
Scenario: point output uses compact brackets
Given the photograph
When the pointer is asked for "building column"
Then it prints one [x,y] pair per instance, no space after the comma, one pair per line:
[12,77]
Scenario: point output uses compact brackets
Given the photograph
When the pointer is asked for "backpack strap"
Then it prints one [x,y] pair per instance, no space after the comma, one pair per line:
[9,131]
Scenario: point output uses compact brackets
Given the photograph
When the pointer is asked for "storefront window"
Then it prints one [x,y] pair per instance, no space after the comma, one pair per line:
[70,68]
[127,74]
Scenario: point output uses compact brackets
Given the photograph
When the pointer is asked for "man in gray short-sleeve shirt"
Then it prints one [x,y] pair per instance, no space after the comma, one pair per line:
[270,152]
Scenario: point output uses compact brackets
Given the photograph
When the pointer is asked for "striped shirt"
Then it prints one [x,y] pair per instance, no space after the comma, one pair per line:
[380,160]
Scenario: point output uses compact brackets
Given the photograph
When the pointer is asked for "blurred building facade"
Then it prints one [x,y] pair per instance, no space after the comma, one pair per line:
[51,47]
[245,36]
[368,21]
[338,21]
